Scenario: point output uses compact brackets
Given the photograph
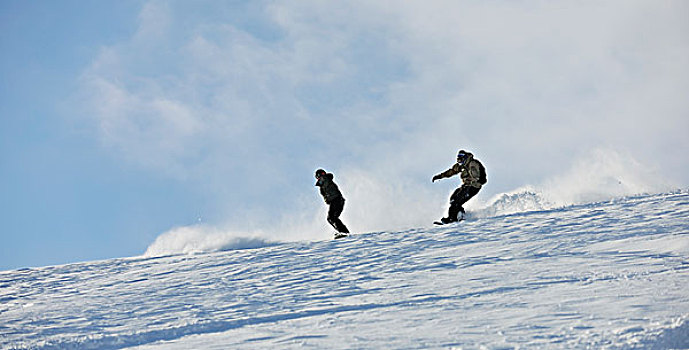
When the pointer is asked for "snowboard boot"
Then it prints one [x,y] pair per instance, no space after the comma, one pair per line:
[447,220]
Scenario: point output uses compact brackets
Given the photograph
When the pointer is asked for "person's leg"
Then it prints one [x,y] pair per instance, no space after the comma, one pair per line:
[455,206]
[457,200]
[334,212]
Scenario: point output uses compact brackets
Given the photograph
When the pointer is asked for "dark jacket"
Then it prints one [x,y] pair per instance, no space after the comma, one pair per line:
[469,172]
[328,188]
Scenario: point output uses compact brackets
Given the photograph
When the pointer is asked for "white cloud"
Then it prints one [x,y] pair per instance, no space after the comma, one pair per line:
[384,93]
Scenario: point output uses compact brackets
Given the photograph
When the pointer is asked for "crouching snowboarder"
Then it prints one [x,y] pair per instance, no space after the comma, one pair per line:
[333,197]
[473,176]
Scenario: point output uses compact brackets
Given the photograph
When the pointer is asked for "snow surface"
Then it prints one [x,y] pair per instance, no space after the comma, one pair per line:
[607,275]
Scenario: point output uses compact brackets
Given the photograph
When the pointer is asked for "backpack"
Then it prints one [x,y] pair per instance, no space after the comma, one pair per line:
[482,176]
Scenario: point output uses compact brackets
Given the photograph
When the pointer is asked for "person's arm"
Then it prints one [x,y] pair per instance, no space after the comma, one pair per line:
[456,169]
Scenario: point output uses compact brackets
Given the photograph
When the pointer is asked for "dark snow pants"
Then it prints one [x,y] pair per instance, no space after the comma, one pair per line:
[336,207]
[458,198]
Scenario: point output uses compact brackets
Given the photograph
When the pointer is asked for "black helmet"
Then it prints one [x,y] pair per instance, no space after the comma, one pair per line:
[319,173]
[461,154]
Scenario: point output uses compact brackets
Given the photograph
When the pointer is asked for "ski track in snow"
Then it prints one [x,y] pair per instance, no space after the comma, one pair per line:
[609,275]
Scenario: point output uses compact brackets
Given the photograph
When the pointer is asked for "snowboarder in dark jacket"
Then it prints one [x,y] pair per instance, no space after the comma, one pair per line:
[473,177]
[333,197]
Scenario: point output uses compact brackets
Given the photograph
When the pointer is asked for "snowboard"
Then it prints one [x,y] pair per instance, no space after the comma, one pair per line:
[341,235]
[440,223]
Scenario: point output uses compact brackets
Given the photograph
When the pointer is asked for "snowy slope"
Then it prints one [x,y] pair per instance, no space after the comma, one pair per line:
[603,275]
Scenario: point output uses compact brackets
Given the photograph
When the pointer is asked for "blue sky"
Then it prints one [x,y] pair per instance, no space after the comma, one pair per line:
[123,120]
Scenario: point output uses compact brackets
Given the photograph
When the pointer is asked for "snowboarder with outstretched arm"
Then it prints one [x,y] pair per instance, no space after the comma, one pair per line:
[333,197]
[473,176]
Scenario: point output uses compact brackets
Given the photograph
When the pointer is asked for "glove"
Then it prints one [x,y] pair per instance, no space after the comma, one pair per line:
[437,177]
